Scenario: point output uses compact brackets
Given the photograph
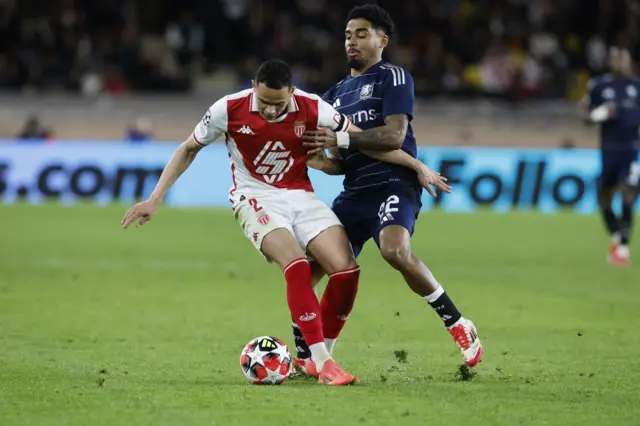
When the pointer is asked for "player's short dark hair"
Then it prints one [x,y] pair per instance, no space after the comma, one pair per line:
[274,74]
[379,18]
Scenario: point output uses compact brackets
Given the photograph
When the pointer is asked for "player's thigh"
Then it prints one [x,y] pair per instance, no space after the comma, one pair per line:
[630,180]
[282,247]
[359,218]
[259,217]
[331,249]
[614,168]
[319,231]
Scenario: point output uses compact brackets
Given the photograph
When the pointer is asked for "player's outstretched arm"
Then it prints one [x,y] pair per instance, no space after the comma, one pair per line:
[426,176]
[179,162]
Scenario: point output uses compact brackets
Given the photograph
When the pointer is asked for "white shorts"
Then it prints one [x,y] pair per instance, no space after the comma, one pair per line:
[300,212]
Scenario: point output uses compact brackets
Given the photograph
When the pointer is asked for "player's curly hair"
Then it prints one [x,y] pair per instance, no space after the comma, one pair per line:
[379,18]
[274,74]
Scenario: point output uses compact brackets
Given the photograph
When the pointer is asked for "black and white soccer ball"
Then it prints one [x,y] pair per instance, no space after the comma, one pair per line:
[266,360]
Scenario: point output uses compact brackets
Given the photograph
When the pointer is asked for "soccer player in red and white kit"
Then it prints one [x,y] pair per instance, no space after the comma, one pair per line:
[273,199]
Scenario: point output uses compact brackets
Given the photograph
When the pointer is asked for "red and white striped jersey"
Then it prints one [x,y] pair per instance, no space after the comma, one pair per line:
[267,155]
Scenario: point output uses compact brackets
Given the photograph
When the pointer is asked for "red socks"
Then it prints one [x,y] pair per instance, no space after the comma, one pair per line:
[337,300]
[302,300]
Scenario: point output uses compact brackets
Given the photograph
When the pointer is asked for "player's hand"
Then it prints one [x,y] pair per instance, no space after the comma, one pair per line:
[143,211]
[613,109]
[317,160]
[318,140]
[429,178]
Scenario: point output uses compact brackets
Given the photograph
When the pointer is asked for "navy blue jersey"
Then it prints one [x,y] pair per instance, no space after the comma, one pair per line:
[381,91]
[621,132]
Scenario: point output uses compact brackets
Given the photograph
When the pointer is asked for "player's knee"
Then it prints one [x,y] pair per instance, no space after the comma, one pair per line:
[629,195]
[317,273]
[397,256]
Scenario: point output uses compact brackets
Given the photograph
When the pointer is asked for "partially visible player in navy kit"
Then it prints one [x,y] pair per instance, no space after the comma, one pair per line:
[612,101]
[381,200]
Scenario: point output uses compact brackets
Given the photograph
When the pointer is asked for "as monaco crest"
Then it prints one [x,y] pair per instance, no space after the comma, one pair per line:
[264,219]
[299,127]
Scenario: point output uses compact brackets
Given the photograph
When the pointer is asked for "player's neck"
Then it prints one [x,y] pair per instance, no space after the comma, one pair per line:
[359,72]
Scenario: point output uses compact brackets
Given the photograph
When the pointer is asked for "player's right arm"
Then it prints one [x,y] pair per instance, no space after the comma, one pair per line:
[212,125]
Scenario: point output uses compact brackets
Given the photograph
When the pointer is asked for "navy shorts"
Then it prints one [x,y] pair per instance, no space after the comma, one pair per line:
[619,167]
[364,216]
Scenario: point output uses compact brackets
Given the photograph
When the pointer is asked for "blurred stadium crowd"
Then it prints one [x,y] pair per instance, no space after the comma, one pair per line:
[507,48]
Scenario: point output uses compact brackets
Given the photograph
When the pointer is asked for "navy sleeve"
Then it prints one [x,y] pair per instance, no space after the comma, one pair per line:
[398,96]
[595,94]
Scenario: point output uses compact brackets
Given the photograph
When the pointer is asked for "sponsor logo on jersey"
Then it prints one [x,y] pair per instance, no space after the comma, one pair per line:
[366,92]
[363,116]
[255,236]
[299,126]
[246,130]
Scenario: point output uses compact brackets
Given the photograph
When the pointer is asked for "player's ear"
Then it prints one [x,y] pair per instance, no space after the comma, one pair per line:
[254,85]
[384,41]
[292,89]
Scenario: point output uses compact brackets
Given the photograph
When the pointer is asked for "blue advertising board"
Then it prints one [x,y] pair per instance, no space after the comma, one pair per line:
[501,179]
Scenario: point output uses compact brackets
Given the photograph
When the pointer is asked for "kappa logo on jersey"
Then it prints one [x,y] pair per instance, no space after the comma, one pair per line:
[273,162]
[299,127]
[246,130]
[366,92]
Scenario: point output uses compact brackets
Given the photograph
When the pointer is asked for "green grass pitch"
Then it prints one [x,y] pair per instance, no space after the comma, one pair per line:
[101,326]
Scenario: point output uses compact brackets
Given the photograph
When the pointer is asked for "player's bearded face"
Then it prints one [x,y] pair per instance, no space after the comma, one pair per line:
[363,44]
[272,103]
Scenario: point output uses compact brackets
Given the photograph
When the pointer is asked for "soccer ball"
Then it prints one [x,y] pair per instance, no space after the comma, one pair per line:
[266,360]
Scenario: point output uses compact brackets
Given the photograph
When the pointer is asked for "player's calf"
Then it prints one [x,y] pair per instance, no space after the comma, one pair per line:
[337,303]
[332,251]
[281,246]
[396,250]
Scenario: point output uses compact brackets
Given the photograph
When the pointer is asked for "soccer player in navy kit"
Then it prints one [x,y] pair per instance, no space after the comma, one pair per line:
[612,101]
[381,200]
